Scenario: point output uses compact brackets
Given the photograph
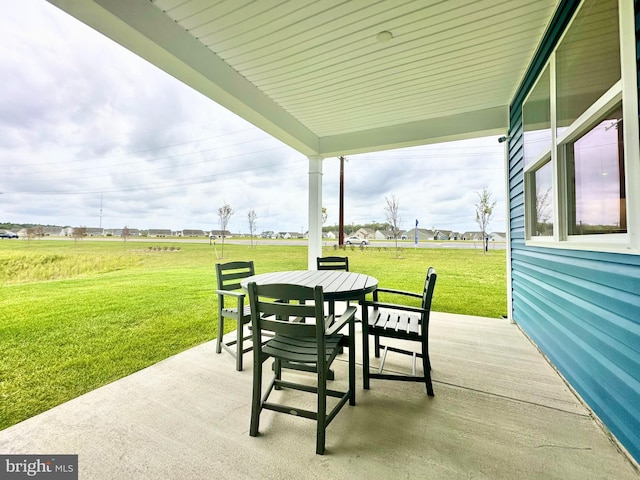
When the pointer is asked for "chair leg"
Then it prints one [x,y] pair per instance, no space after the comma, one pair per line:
[426,367]
[277,371]
[322,413]
[376,345]
[352,363]
[239,344]
[220,333]
[256,398]
[365,349]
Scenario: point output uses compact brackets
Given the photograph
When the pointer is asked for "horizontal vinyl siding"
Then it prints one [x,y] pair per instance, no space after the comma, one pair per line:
[581,308]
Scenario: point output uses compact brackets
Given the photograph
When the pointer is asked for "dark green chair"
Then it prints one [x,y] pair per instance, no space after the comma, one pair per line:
[302,336]
[333,263]
[232,306]
[404,322]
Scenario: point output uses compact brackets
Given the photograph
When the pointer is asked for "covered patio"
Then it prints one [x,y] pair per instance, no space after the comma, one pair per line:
[500,411]
[338,78]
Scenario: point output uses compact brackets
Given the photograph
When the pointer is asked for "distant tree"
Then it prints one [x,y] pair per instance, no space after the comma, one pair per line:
[31,233]
[484,212]
[78,233]
[224,214]
[39,231]
[392,213]
[543,213]
[324,215]
[252,224]
[125,233]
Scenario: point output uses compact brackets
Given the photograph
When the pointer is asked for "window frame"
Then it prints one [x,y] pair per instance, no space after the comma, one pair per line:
[625,90]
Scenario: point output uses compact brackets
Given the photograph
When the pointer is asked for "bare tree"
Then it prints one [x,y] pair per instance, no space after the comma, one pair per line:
[252,224]
[224,214]
[126,233]
[324,215]
[484,212]
[31,234]
[79,233]
[392,214]
[543,213]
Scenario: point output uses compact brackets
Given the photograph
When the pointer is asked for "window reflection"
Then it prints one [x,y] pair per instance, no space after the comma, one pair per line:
[536,119]
[588,60]
[543,201]
[597,192]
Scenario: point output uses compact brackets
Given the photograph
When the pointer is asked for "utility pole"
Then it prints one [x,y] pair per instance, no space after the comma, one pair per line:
[341,214]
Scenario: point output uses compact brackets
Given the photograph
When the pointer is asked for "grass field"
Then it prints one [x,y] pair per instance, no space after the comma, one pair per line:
[75,316]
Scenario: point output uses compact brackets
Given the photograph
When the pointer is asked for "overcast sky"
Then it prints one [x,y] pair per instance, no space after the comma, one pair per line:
[87,125]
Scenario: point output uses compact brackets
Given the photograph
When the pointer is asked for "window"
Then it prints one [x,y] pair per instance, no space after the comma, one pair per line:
[577,136]
[596,184]
[536,120]
[543,190]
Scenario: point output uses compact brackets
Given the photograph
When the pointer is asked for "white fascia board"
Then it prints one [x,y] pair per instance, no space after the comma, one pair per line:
[462,126]
[146,31]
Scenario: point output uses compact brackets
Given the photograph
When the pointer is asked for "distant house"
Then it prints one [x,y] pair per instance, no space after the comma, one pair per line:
[443,235]
[330,235]
[268,234]
[498,236]
[472,236]
[95,232]
[193,233]
[159,232]
[219,234]
[365,233]
[53,231]
[423,234]
[288,235]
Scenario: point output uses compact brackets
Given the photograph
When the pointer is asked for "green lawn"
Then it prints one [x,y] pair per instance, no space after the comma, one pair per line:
[75,316]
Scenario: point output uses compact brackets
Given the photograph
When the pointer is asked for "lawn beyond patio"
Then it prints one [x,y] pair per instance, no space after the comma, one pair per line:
[76,316]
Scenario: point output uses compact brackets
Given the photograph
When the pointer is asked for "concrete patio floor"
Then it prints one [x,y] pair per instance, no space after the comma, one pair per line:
[500,412]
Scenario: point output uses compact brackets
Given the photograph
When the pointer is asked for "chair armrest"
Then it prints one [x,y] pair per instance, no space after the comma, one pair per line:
[392,306]
[342,320]
[231,293]
[398,292]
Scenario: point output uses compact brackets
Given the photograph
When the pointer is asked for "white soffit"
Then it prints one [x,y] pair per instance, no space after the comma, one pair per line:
[316,75]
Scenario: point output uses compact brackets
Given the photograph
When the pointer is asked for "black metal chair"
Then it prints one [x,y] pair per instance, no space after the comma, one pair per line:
[333,263]
[403,322]
[231,305]
[302,336]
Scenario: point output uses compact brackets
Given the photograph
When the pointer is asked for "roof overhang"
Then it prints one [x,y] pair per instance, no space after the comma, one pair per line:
[313,74]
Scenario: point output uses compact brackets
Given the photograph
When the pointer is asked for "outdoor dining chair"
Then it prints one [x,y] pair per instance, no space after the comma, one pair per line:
[294,314]
[232,306]
[333,263]
[403,322]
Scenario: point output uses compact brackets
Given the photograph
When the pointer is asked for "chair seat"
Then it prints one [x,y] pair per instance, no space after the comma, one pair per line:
[401,323]
[233,312]
[300,350]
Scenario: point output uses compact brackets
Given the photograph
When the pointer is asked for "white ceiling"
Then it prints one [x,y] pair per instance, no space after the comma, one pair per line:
[313,74]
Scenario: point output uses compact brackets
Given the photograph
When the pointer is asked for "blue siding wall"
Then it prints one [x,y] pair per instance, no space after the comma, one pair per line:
[581,308]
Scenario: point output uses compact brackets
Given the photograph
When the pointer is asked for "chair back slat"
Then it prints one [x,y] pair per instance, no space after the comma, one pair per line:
[229,274]
[281,308]
[333,263]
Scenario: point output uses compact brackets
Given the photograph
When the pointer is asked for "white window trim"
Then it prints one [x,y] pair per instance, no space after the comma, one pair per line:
[625,88]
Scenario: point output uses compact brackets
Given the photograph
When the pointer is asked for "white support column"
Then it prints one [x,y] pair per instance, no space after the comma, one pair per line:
[315,211]
[507,201]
